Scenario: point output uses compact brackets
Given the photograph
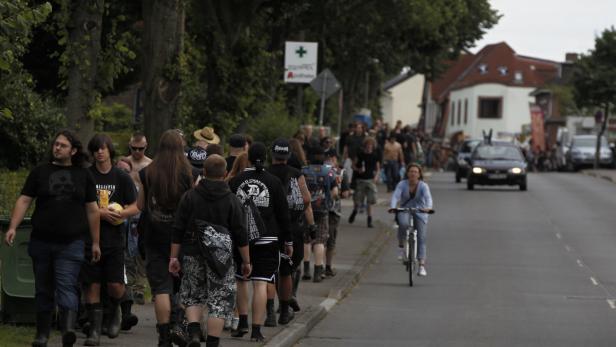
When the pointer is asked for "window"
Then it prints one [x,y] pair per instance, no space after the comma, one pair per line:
[465,111]
[518,77]
[459,111]
[490,108]
[483,69]
[453,112]
[502,70]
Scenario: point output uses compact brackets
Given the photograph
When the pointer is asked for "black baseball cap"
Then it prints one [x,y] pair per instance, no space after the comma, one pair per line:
[281,149]
[237,141]
[257,151]
[197,156]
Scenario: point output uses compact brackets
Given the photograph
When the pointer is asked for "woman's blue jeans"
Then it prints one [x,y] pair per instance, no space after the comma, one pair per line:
[422,228]
[56,272]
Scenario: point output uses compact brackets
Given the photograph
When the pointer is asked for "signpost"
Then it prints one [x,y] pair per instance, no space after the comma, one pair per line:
[325,85]
[300,61]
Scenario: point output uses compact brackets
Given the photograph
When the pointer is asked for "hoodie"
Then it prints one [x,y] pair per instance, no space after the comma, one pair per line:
[211,201]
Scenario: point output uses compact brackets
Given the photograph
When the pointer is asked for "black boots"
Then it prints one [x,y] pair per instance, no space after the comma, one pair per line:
[318,274]
[164,338]
[286,315]
[67,326]
[293,302]
[43,326]
[306,275]
[370,222]
[129,320]
[352,216]
[95,317]
[194,334]
[242,327]
[255,334]
[270,319]
[329,271]
[115,319]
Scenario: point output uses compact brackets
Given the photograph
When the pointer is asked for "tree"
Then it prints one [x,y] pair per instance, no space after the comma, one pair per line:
[594,81]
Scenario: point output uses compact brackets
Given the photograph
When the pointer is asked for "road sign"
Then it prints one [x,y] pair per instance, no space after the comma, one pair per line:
[300,61]
[325,84]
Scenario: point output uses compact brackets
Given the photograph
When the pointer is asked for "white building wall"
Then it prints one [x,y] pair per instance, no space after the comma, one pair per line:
[402,102]
[515,109]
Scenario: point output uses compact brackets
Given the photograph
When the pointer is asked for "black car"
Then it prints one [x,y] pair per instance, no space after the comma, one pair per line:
[497,163]
[463,158]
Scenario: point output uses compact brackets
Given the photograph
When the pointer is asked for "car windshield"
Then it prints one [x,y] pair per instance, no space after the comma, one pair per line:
[468,146]
[589,142]
[497,153]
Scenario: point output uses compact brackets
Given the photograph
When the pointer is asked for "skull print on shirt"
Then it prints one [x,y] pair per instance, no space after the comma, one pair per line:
[61,185]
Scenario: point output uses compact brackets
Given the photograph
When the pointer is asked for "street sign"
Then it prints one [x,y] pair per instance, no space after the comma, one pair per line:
[300,61]
[325,84]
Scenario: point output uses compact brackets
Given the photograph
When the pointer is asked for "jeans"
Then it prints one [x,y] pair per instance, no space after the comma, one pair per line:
[392,172]
[422,228]
[56,272]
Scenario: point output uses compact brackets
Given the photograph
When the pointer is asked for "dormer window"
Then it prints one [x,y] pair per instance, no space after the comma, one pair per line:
[483,69]
[502,70]
[517,77]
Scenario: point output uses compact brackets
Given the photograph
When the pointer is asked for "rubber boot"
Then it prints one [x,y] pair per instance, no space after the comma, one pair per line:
[95,316]
[306,275]
[67,326]
[255,334]
[129,320]
[43,327]
[286,314]
[318,274]
[270,320]
[194,334]
[115,319]
[164,338]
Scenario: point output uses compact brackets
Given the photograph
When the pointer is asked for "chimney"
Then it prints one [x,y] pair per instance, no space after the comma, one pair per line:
[571,57]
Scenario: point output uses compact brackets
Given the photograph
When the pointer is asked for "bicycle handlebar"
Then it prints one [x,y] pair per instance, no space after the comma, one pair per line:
[410,209]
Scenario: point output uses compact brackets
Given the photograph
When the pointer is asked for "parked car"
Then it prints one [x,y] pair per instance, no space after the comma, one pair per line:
[463,158]
[497,163]
[581,152]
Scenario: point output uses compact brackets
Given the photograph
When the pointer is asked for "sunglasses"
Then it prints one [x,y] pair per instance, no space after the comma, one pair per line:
[137,149]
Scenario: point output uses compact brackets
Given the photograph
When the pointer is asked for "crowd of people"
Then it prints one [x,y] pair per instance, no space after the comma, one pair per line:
[199,226]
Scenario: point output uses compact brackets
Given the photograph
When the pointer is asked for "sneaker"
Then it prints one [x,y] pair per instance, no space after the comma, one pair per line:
[422,271]
[401,254]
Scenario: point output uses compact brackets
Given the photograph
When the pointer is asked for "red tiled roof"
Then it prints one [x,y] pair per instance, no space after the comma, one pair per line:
[466,71]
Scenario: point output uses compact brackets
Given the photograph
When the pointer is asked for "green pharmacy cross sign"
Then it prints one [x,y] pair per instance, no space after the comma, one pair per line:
[301,51]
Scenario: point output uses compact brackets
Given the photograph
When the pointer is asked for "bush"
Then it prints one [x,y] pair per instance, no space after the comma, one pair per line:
[273,122]
[11,183]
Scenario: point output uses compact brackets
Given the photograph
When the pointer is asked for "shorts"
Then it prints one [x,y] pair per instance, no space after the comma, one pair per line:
[157,268]
[321,220]
[366,190]
[265,261]
[334,220]
[109,269]
[202,286]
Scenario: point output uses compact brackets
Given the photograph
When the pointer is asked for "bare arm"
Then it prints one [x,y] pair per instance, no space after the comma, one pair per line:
[94,222]
[19,211]
[306,196]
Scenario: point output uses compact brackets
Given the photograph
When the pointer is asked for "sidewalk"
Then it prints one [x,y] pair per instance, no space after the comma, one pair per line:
[357,246]
[606,174]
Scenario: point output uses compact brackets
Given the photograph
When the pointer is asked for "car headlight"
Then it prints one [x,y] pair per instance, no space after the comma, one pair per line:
[477,170]
[516,170]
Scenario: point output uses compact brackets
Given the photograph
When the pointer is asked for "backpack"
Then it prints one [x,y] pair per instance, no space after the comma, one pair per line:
[319,179]
[216,246]
[295,200]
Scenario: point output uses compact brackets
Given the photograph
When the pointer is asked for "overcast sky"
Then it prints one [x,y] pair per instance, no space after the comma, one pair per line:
[550,28]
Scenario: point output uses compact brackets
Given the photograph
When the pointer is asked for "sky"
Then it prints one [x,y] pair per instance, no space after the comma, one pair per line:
[548,29]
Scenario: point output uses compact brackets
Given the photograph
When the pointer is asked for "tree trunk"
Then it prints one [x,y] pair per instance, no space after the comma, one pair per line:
[606,115]
[84,45]
[162,44]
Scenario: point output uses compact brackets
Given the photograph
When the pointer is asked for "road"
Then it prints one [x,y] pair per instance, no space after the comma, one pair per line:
[505,268]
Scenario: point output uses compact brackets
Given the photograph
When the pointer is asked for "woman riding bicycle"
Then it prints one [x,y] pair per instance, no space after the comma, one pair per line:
[413,193]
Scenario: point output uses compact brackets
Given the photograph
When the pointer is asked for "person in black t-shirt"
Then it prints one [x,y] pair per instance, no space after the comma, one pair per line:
[65,212]
[113,186]
[366,168]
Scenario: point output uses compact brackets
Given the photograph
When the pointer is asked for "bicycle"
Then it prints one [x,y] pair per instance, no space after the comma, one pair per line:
[410,243]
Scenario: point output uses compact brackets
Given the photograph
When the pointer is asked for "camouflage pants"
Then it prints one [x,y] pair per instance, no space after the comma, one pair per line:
[201,286]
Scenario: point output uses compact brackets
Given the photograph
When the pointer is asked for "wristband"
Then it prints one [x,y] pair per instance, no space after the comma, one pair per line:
[173,258]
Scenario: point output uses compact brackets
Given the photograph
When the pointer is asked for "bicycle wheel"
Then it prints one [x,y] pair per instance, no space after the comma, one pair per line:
[412,262]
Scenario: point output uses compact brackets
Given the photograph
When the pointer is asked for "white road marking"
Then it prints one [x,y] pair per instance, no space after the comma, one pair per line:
[594,281]
[580,264]
[612,304]
[558,236]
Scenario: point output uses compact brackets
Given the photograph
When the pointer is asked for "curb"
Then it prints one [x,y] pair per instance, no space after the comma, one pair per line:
[307,321]
[599,175]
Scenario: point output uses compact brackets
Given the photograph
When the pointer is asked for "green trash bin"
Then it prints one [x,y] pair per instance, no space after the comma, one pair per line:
[17,277]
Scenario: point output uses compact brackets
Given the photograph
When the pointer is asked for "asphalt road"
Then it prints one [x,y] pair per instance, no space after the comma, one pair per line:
[505,268]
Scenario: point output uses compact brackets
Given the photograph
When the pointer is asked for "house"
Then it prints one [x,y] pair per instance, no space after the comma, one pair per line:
[487,90]
[401,98]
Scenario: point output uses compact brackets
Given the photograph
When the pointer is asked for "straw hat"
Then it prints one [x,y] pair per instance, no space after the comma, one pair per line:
[206,134]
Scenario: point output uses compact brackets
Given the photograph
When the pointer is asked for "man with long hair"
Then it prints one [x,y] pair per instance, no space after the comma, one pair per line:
[65,212]
[163,183]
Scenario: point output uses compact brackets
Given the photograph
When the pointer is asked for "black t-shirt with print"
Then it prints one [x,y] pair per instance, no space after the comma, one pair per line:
[368,162]
[61,193]
[121,189]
